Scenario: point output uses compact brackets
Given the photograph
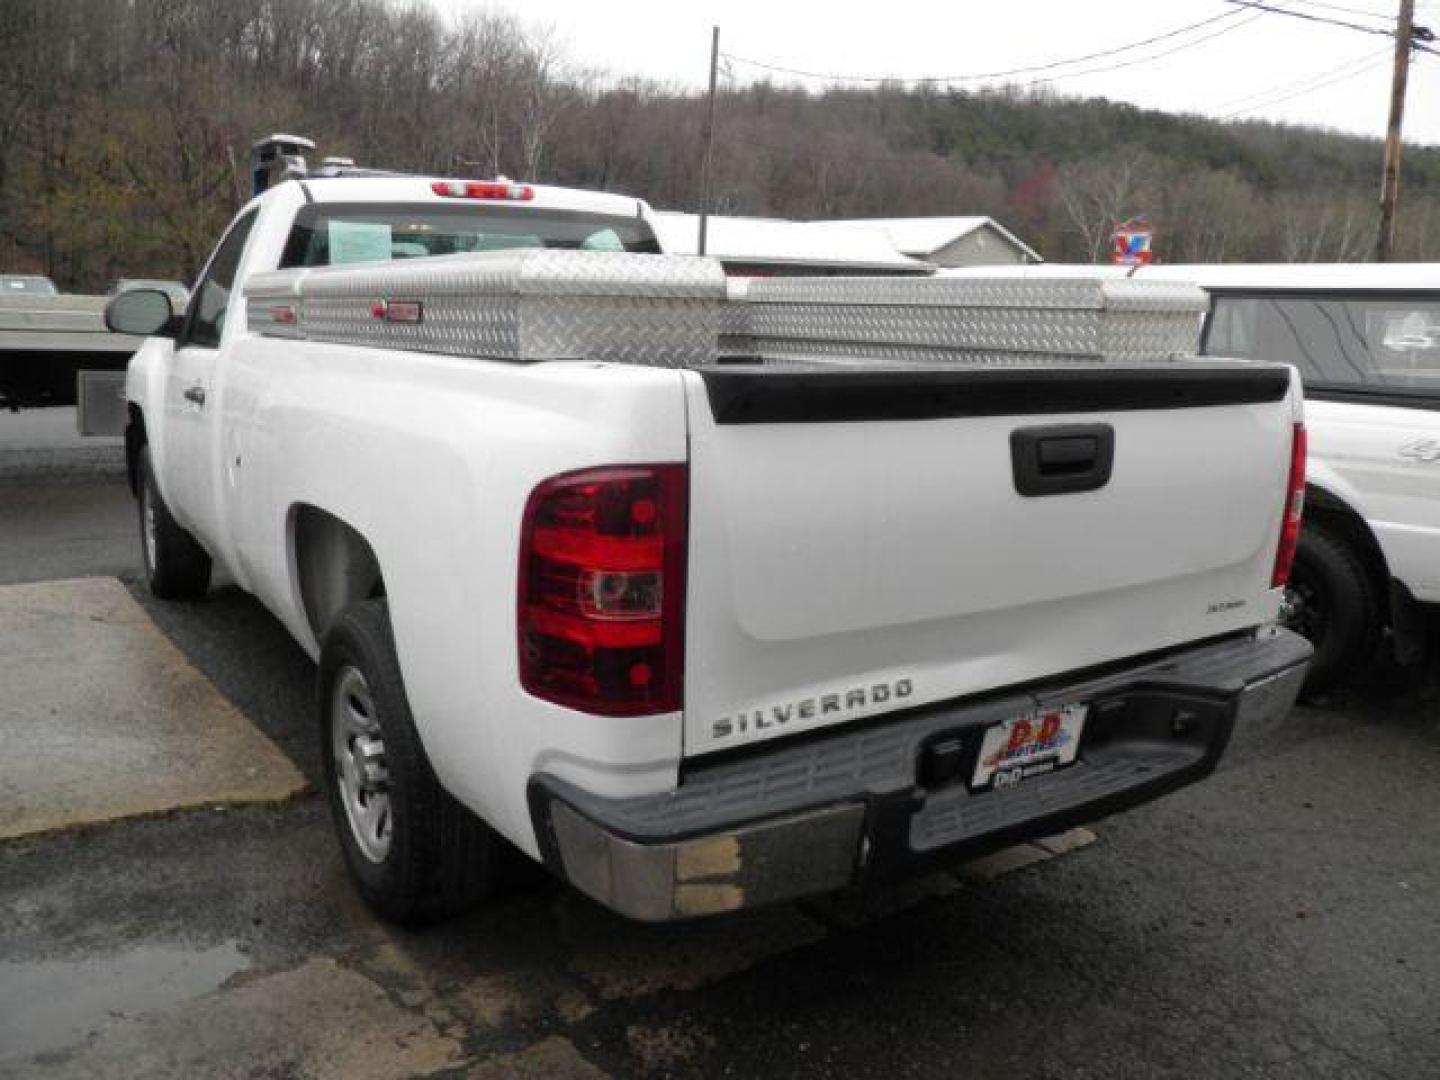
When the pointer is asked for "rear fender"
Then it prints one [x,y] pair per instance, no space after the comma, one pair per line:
[1335,504]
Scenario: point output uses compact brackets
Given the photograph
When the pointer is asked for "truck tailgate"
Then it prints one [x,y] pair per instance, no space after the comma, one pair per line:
[860,543]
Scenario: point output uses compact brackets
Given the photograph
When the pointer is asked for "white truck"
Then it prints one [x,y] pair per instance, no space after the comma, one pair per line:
[1366,338]
[701,632]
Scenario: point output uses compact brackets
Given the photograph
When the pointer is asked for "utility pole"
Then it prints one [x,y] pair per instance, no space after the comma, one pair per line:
[709,138]
[1390,178]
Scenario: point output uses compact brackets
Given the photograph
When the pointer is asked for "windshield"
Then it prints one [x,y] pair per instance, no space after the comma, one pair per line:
[1349,340]
[11,285]
[331,234]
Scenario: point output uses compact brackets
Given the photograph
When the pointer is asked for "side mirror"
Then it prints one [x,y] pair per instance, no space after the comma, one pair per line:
[143,313]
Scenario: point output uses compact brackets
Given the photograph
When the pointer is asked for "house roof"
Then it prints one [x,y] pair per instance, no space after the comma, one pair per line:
[780,242]
[922,237]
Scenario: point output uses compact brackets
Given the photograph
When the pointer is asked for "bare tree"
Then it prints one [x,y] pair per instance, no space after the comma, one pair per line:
[539,98]
[1100,193]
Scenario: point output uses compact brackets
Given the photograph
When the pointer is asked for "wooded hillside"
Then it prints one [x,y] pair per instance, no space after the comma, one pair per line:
[125,125]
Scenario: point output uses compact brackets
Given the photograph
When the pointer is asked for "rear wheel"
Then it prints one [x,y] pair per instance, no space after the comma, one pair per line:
[1334,602]
[176,566]
[413,851]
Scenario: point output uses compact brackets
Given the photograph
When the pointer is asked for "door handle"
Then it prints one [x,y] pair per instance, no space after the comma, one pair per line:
[195,394]
[1062,458]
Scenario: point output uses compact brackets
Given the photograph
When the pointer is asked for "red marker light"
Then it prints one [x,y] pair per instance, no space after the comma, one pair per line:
[398,311]
[483,189]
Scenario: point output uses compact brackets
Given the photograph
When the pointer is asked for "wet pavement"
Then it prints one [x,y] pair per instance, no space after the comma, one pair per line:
[46,1005]
[1278,920]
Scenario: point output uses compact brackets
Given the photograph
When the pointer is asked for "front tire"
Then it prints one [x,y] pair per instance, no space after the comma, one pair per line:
[1334,602]
[176,566]
[413,851]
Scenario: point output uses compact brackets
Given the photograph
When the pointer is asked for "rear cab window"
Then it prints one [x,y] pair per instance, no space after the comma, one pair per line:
[334,234]
[1370,341]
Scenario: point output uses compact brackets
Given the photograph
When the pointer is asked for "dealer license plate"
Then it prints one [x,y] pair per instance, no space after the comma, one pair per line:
[1029,745]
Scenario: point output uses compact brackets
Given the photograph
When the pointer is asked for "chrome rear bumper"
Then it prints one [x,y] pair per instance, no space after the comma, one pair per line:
[891,798]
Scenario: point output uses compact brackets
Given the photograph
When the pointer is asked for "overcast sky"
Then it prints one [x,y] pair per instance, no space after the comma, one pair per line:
[1242,64]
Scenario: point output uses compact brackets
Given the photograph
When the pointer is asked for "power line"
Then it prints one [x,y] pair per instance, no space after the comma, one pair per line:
[1103,69]
[1384,16]
[1106,68]
[978,76]
[1306,86]
[1421,36]
[1308,17]
[1304,80]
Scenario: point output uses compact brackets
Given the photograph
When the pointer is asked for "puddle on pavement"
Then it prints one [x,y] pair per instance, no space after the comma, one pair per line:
[51,1004]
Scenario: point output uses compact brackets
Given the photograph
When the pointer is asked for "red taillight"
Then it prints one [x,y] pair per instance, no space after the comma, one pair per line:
[602,589]
[483,189]
[1294,510]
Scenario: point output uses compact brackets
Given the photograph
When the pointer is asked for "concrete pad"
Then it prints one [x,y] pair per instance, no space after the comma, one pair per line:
[320,1020]
[102,717]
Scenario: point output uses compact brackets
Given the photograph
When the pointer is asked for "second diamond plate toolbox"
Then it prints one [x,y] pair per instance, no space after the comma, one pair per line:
[854,320]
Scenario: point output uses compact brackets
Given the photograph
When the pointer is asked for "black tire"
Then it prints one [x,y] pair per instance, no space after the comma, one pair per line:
[1335,602]
[438,857]
[176,566]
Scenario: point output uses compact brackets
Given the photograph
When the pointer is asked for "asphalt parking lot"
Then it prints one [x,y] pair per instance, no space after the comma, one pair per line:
[1281,919]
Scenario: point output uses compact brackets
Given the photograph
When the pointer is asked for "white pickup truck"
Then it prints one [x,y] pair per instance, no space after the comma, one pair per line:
[701,632]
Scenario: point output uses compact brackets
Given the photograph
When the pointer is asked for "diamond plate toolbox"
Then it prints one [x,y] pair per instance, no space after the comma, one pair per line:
[677,311]
[852,320]
[514,305]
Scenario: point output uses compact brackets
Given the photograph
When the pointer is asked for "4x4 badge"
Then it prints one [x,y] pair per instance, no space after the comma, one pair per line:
[1426,450]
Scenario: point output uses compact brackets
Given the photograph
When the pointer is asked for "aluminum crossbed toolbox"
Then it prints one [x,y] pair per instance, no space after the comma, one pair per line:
[513,305]
[969,320]
[679,311]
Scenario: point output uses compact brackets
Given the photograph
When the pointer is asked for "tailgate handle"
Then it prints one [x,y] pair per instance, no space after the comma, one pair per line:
[1062,458]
